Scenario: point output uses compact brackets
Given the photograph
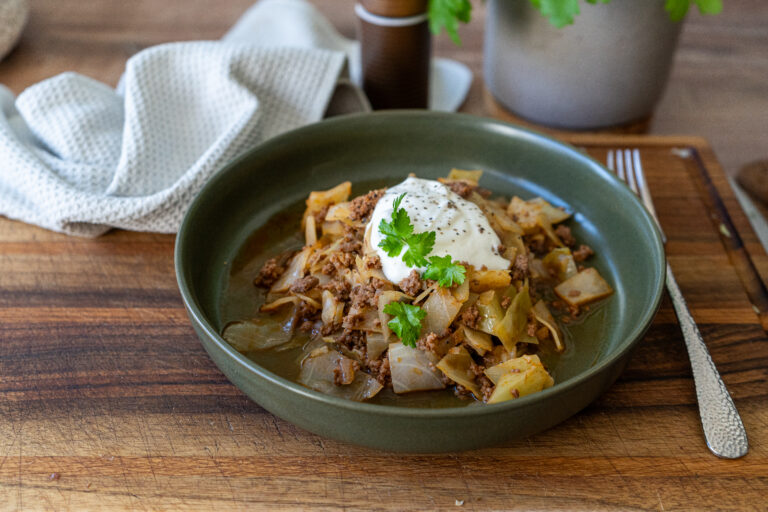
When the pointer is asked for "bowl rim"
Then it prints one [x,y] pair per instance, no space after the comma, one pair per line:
[199,318]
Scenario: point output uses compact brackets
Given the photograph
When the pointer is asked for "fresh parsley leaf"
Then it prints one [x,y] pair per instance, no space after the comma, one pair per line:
[419,246]
[400,226]
[392,246]
[445,271]
[406,323]
[397,230]
[447,14]
[398,200]
[399,233]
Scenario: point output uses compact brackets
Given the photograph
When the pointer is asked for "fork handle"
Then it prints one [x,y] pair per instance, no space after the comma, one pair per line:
[722,424]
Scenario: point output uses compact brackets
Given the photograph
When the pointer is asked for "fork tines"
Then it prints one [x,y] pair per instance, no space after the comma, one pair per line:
[627,166]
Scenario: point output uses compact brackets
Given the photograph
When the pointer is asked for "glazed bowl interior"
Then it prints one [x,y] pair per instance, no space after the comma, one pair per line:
[372,150]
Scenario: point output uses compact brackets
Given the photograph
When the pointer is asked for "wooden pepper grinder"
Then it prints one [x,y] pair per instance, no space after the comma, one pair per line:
[395,51]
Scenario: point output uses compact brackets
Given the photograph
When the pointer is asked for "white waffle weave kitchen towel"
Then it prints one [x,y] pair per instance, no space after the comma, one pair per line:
[79,157]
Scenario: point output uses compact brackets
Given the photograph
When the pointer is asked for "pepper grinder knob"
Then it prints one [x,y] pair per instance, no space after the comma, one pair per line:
[395,51]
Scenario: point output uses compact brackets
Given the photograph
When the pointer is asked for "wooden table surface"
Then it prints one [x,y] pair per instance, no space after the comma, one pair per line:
[718,87]
[107,399]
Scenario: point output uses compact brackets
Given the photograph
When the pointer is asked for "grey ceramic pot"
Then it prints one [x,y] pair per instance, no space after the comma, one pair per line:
[609,68]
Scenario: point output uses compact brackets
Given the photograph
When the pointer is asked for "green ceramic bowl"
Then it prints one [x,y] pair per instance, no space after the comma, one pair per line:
[385,147]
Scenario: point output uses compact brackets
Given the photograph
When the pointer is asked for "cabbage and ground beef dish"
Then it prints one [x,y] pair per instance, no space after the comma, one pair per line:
[426,285]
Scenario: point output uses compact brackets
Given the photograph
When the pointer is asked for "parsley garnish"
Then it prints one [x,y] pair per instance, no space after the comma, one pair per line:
[399,233]
[448,14]
[406,322]
[419,245]
[445,271]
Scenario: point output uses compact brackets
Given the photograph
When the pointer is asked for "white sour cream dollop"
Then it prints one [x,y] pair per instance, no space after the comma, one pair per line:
[461,229]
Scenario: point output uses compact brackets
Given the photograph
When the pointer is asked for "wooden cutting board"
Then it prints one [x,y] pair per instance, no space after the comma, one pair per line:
[108,400]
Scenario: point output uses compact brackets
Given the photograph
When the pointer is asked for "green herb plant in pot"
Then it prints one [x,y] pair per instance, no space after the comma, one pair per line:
[576,65]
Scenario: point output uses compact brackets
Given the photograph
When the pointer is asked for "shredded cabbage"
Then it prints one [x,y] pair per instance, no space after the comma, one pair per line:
[441,308]
[260,333]
[586,286]
[512,327]
[561,263]
[317,372]
[413,369]
[491,314]
[456,365]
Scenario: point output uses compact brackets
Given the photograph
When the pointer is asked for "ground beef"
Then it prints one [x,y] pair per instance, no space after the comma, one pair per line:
[338,261]
[361,207]
[564,232]
[304,284]
[353,317]
[320,215]
[476,368]
[270,272]
[542,333]
[462,188]
[352,338]
[351,244]
[429,343]
[486,387]
[484,192]
[485,384]
[363,295]
[582,253]
[373,262]
[339,287]
[306,317]
[411,285]
[379,369]
[531,328]
[506,301]
[470,317]
[520,268]
[306,311]
[538,244]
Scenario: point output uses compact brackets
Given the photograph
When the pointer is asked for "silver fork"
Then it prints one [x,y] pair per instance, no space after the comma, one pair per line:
[722,424]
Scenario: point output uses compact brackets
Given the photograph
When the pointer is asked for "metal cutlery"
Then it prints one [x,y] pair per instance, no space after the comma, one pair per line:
[723,429]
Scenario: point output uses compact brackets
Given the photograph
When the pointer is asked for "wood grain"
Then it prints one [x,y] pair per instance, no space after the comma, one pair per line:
[103,383]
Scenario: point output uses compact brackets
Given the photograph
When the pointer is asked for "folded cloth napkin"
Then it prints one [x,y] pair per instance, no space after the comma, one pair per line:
[79,157]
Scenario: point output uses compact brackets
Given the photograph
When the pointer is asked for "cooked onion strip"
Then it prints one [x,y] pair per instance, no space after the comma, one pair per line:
[310,231]
[272,306]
